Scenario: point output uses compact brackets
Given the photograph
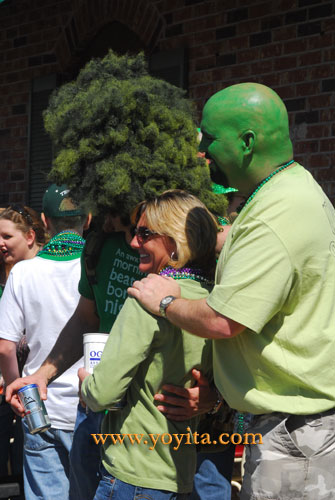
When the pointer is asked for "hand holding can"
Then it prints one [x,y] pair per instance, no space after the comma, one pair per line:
[35,411]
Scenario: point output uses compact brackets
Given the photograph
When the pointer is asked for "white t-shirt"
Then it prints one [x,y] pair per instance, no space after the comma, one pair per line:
[40,296]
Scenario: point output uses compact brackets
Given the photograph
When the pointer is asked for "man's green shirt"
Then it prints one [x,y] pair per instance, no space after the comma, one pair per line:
[276,276]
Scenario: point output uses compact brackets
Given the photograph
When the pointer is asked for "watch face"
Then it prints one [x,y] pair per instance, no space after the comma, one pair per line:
[165,302]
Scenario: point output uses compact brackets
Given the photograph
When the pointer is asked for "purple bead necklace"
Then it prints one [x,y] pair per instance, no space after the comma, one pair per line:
[183,273]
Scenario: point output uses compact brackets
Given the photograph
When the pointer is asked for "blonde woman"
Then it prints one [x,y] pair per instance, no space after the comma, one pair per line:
[175,236]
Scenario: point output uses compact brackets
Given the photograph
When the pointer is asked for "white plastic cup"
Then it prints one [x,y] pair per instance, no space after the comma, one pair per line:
[94,344]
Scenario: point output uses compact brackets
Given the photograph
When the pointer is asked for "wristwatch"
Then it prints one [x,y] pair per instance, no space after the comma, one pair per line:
[164,304]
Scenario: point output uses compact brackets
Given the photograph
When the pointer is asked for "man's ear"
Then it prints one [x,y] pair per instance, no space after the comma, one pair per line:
[87,222]
[248,138]
[45,221]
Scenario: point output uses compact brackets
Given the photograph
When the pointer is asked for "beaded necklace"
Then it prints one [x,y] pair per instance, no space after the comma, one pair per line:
[223,221]
[65,245]
[261,184]
[184,273]
[242,422]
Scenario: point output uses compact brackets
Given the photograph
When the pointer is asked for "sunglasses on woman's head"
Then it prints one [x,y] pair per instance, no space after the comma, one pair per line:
[143,233]
[23,212]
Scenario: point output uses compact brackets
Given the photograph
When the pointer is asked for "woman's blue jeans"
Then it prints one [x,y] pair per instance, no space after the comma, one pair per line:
[112,488]
[213,477]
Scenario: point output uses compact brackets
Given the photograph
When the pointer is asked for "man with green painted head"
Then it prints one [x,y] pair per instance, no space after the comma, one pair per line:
[271,313]
[245,134]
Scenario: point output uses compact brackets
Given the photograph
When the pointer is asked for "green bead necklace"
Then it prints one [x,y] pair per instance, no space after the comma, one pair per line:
[66,245]
[223,221]
[240,422]
[264,181]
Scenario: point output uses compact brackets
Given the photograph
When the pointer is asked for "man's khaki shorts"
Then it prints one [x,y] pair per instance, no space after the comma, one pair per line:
[295,461]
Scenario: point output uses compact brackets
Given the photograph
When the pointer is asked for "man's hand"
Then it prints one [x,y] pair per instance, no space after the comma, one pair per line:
[11,393]
[82,374]
[187,403]
[152,289]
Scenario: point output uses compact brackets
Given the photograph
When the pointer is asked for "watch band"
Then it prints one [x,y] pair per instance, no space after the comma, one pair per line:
[164,304]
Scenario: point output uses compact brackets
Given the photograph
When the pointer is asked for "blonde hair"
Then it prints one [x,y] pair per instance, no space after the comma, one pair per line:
[187,221]
[25,219]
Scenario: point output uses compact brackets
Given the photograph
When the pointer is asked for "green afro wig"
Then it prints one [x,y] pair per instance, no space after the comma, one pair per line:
[122,136]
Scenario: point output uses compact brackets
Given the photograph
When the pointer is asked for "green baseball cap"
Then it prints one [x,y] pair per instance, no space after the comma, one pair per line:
[57,203]
[218,189]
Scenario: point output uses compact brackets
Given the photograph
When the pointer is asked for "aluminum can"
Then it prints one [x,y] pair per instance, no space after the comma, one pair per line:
[35,411]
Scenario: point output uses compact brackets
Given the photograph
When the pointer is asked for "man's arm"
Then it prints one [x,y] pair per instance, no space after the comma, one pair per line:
[67,350]
[8,361]
[12,326]
[194,316]
[69,346]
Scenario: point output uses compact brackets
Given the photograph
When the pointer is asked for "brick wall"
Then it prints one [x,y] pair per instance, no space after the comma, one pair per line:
[28,31]
[288,45]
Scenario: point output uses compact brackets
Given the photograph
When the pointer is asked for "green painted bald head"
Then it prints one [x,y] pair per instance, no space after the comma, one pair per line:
[246,134]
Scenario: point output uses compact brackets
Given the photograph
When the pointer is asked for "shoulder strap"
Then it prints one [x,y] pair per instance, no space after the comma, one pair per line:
[93,246]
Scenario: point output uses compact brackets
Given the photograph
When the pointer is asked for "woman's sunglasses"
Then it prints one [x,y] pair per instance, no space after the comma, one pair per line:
[143,234]
[23,212]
